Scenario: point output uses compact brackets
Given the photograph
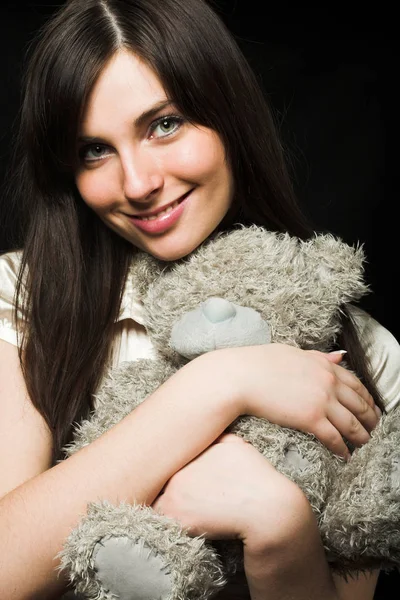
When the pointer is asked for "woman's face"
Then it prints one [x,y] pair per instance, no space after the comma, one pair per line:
[152,177]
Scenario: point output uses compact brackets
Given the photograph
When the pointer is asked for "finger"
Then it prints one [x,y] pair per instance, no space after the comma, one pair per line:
[358,406]
[331,438]
[346,376]
[352,381]
[336,356]
[347,424]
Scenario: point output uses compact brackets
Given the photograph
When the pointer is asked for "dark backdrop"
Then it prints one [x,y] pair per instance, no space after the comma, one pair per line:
[330,75]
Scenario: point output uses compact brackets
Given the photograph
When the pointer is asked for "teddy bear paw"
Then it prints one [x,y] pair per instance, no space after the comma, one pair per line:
[131,570]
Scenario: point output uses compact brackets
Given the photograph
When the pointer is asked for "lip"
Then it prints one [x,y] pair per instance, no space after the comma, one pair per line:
[165,221]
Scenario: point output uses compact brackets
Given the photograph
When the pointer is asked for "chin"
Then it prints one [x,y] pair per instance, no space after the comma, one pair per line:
[169,256]
[172,250]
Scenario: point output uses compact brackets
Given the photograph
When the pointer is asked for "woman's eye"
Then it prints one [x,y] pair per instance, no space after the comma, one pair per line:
[94,152]
[165,126]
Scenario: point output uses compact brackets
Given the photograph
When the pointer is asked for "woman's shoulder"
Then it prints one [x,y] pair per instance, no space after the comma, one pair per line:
[9,269]
[383,352]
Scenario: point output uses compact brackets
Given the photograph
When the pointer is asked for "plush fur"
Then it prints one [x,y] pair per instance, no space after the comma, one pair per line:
[279,289]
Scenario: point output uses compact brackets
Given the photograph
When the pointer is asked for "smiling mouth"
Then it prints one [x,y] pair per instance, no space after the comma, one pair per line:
[163,212]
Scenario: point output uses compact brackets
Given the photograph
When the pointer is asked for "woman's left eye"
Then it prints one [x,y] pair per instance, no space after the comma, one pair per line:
[165,126]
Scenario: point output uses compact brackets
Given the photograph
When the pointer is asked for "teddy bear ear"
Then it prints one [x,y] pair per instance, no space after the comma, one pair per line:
[143,271]
[338,266]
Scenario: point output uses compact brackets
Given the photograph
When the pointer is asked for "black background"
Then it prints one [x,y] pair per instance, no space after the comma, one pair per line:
[330,72]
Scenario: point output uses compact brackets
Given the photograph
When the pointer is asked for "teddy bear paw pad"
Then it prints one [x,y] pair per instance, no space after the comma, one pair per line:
[131,571]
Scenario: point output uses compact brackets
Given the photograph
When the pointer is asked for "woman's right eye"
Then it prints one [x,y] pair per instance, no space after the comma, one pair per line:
[94,152]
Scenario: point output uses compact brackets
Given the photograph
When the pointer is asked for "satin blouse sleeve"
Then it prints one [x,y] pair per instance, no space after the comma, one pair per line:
[383,352]
[9,267]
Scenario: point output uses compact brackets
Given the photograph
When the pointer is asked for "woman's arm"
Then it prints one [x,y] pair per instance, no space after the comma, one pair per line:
[361,586]
[231,491]
[135,458]
[291,562]
[303,576]
[299,570]
[131,462]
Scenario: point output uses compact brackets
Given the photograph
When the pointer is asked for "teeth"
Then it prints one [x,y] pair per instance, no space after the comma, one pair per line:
[160,214]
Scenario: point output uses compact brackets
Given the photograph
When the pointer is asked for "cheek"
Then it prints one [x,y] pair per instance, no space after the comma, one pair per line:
[94,191]
[200,158]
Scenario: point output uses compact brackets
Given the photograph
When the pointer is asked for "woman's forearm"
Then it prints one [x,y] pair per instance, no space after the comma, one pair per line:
[130,463]
[303,581]
[284,557]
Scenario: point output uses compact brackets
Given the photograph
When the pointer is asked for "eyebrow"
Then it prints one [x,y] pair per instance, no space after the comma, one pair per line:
[148,114]
[140,120]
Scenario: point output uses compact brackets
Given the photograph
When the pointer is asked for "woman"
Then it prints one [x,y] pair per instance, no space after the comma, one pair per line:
[143,127]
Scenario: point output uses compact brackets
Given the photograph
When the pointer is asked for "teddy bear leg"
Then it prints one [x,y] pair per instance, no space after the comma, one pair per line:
[361,524]
[133,553]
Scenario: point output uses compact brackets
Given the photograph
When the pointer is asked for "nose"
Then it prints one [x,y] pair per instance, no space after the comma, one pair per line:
[142,176]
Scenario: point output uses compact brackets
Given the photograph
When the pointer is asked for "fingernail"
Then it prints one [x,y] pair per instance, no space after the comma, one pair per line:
[378,411]
[339,352]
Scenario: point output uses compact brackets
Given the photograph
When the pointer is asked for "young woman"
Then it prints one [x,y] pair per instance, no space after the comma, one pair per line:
[143,127]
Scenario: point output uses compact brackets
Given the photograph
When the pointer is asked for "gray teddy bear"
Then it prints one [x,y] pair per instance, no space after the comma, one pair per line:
[246,287]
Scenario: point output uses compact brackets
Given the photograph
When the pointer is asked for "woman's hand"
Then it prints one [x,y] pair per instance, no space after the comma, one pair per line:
[305,390]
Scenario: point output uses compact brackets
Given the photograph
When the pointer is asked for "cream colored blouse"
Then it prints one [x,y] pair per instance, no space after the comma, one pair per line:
[131,341]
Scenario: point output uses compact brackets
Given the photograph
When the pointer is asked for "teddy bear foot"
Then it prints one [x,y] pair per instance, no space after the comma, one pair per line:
[361,523]
[133,553]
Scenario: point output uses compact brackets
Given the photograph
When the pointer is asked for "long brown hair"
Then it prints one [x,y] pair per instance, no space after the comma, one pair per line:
[73,267]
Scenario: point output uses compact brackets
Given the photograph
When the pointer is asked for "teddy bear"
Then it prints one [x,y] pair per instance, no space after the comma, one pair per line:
[243,287]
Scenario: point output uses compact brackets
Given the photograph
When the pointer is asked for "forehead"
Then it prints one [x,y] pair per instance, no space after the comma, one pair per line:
[126,86]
